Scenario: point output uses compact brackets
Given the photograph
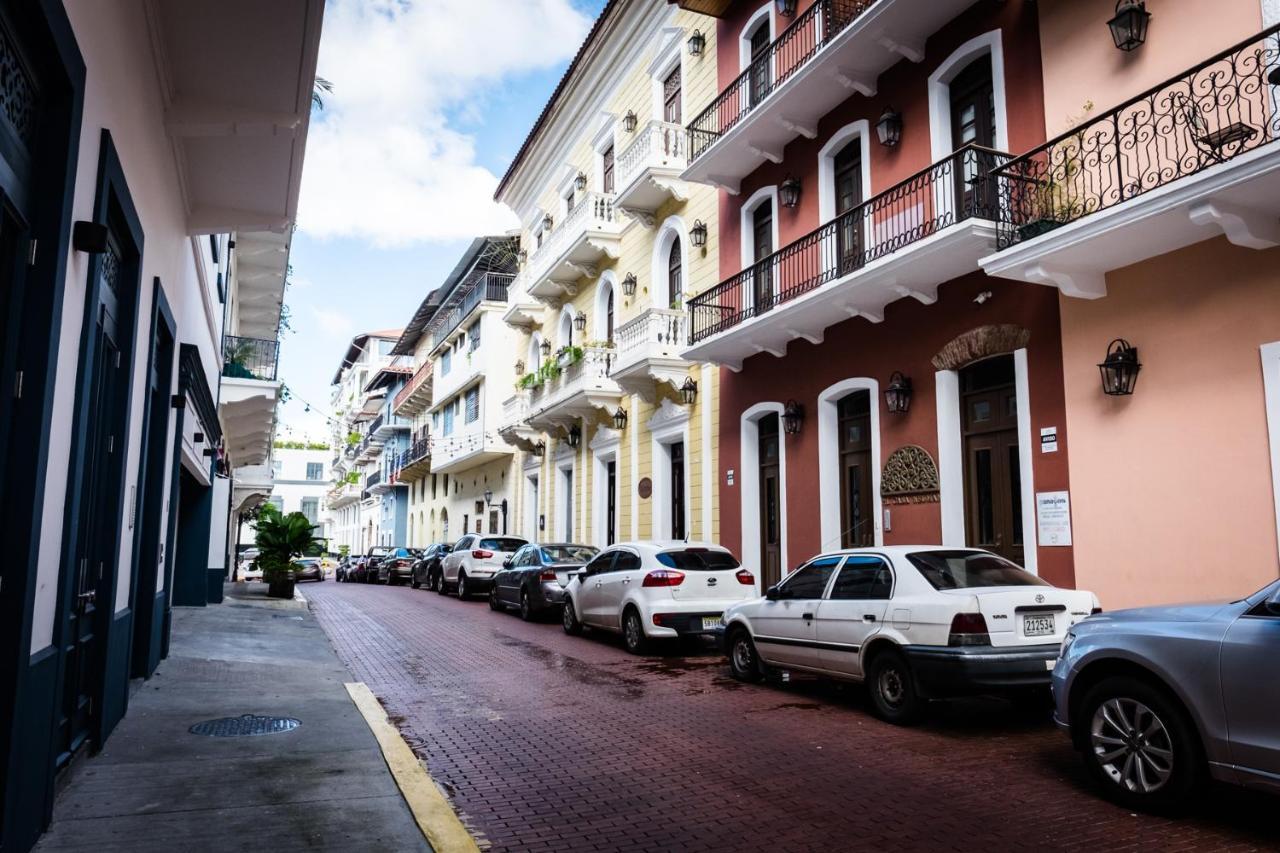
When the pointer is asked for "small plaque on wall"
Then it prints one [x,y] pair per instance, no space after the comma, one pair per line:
[645,487]
[1053,518]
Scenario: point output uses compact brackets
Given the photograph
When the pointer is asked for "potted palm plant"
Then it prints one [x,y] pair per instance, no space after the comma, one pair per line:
[281,539]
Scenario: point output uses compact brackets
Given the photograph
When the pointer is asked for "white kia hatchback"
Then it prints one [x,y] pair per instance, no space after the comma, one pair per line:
[469,568]
[649,590]
[915,622]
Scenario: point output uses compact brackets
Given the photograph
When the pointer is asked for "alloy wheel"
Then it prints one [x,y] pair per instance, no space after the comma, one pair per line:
[744,658]
[891,686]
[462,586]
[526,611]
[1132,745]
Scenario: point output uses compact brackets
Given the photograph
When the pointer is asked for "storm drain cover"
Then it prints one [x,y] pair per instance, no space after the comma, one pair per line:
[246,725]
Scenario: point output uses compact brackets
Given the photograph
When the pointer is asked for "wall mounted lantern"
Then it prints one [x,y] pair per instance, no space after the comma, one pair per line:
[1129,26]
[629,121]
[689,391]
[89,237]
[580,182]
[580,321]
[889,127]
[789,192]
[519,366]
[698,234]
[488,496]
[697,42]
[629,284]
[786,7]
[522,256]
[575,435]
[620,419]
[546,349]
[547,222]
[1119,369]
[897,397]
[792,417]
[539,448]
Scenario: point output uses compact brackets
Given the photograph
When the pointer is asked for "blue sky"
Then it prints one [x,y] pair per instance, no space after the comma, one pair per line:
[402,162]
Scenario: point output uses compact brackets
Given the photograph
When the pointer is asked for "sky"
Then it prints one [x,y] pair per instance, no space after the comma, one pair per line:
[431,100]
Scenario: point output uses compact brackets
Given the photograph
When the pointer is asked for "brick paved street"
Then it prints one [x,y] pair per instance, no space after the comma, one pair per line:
[548,742]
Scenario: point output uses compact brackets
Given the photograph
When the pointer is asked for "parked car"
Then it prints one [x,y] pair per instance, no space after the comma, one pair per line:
[1158,699]
[914,622]
[371,561]
[650,590]
[358,570]
[533,579]
[308,569]
[397,566]
[251,571]
[475,559]
[426,571]
[340,573]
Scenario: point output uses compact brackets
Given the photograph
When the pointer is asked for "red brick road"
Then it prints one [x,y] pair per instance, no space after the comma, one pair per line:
[549,742]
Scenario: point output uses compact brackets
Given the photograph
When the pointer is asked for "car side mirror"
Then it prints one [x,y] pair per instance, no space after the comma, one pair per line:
[773,593]
[583,575]
[506,564]
[1272,604]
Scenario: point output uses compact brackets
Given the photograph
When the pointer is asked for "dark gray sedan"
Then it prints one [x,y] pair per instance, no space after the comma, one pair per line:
[533,578]
[1159,699]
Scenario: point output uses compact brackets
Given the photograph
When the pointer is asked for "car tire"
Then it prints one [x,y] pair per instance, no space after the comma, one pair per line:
[1165,742]
[744,662]
[633,638]
[526,606]
[494,604]
[414,583]
[569,618]
[441,588]
[893,690]
[462,590]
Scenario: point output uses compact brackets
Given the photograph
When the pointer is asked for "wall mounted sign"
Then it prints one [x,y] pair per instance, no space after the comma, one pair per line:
[728,477]
[909,476]
[645,487]
[1053,518]
[1049,439]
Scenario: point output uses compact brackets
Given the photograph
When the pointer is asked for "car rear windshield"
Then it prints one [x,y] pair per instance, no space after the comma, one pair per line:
[502,544]
[698,560]
[970,569]
[567,553]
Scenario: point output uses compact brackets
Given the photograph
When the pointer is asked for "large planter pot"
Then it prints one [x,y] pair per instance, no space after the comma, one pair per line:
[280,588]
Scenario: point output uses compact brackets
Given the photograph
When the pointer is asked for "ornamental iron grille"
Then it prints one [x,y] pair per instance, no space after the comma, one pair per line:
[18,93]
[246,725]
[952,190]
[909,476]
[1216,111]
[249,358]
[776,64]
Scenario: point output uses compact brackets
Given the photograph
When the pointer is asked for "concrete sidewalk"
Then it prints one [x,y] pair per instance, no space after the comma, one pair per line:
[157,787]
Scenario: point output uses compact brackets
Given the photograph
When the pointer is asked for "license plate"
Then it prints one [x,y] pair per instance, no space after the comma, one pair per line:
[1037,626]
[711,623]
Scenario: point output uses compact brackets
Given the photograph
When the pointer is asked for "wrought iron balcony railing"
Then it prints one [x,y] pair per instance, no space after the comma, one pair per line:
[372,480]
[1220,109]
[480,287]
[786,55]
[952,190]
[249,358]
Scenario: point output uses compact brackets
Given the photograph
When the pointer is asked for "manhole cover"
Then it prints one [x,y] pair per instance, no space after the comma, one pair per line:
[247,725]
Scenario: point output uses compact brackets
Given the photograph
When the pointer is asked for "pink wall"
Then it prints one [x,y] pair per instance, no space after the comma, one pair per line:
[1081,62]
[1171,493]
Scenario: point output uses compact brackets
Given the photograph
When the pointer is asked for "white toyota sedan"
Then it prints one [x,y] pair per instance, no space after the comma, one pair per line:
[649,590]
[914,622]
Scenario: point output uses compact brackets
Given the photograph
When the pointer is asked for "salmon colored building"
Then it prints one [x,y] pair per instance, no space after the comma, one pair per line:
[877,387]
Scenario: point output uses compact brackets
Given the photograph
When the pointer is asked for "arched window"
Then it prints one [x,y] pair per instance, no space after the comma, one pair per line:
[675,275]
[608,316]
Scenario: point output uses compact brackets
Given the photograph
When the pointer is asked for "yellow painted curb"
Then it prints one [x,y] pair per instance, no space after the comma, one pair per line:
[431,810]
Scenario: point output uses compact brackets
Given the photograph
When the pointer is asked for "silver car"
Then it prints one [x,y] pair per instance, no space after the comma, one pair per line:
[1158,699]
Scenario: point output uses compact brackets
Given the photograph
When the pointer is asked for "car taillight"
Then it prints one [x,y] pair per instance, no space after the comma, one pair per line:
[482,555]
[547,575]
[969,629]
[745,577]
[663,577]
[403,564]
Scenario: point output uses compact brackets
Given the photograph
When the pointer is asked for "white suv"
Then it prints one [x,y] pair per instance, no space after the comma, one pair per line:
[469,568]
[649,590]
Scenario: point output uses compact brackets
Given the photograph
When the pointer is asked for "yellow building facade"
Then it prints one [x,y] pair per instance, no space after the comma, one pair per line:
[616,434]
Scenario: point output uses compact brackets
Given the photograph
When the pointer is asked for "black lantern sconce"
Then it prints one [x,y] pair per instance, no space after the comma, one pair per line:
[789,192]
[545,348]
[792,417]
[89,237]
[1119,369]
[697,42]
[689,391]
[580,321]
[547,222]
[1129,26]
[519,366]
[580,182]
[575,436]
[620,419]
[629,284]
[540,448]
[629,121]
[787,8]
[698,234]
[488,496]
[522,256]
[889,127]
[897,397]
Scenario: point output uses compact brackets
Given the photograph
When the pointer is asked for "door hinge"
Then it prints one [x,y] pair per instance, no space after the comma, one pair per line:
[117,359]
[111,444]
[17,385]
[31,252]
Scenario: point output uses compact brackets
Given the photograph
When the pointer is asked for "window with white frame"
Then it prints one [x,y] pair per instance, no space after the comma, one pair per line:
[473,404]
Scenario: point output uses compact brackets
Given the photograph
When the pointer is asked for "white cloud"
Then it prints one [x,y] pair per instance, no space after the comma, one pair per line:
[333,321]
[382,163]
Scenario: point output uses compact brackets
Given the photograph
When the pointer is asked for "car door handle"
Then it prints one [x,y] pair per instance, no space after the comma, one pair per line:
[626,580]
[808,616]
[597,584]
[868,617]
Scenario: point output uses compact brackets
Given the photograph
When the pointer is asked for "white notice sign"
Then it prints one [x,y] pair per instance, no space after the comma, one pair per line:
[1053,517]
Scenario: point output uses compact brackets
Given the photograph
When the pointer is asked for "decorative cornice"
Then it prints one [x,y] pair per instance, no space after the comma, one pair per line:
[909,476]
[670,414]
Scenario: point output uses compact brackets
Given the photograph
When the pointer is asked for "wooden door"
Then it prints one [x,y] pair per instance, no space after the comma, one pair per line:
[848,178]
[611,502]
[992,465]
[973,121]
[770,502]
[761,75]
[857,501]
[762,248]
[671,98]
[678,530]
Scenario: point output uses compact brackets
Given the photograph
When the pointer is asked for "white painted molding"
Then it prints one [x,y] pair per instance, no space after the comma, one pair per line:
[940,92]
[749,483]
[860,130]
[1271,391]
[1026,460]
[1249,229]
[1082,284]
[950,458]
[829,473]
